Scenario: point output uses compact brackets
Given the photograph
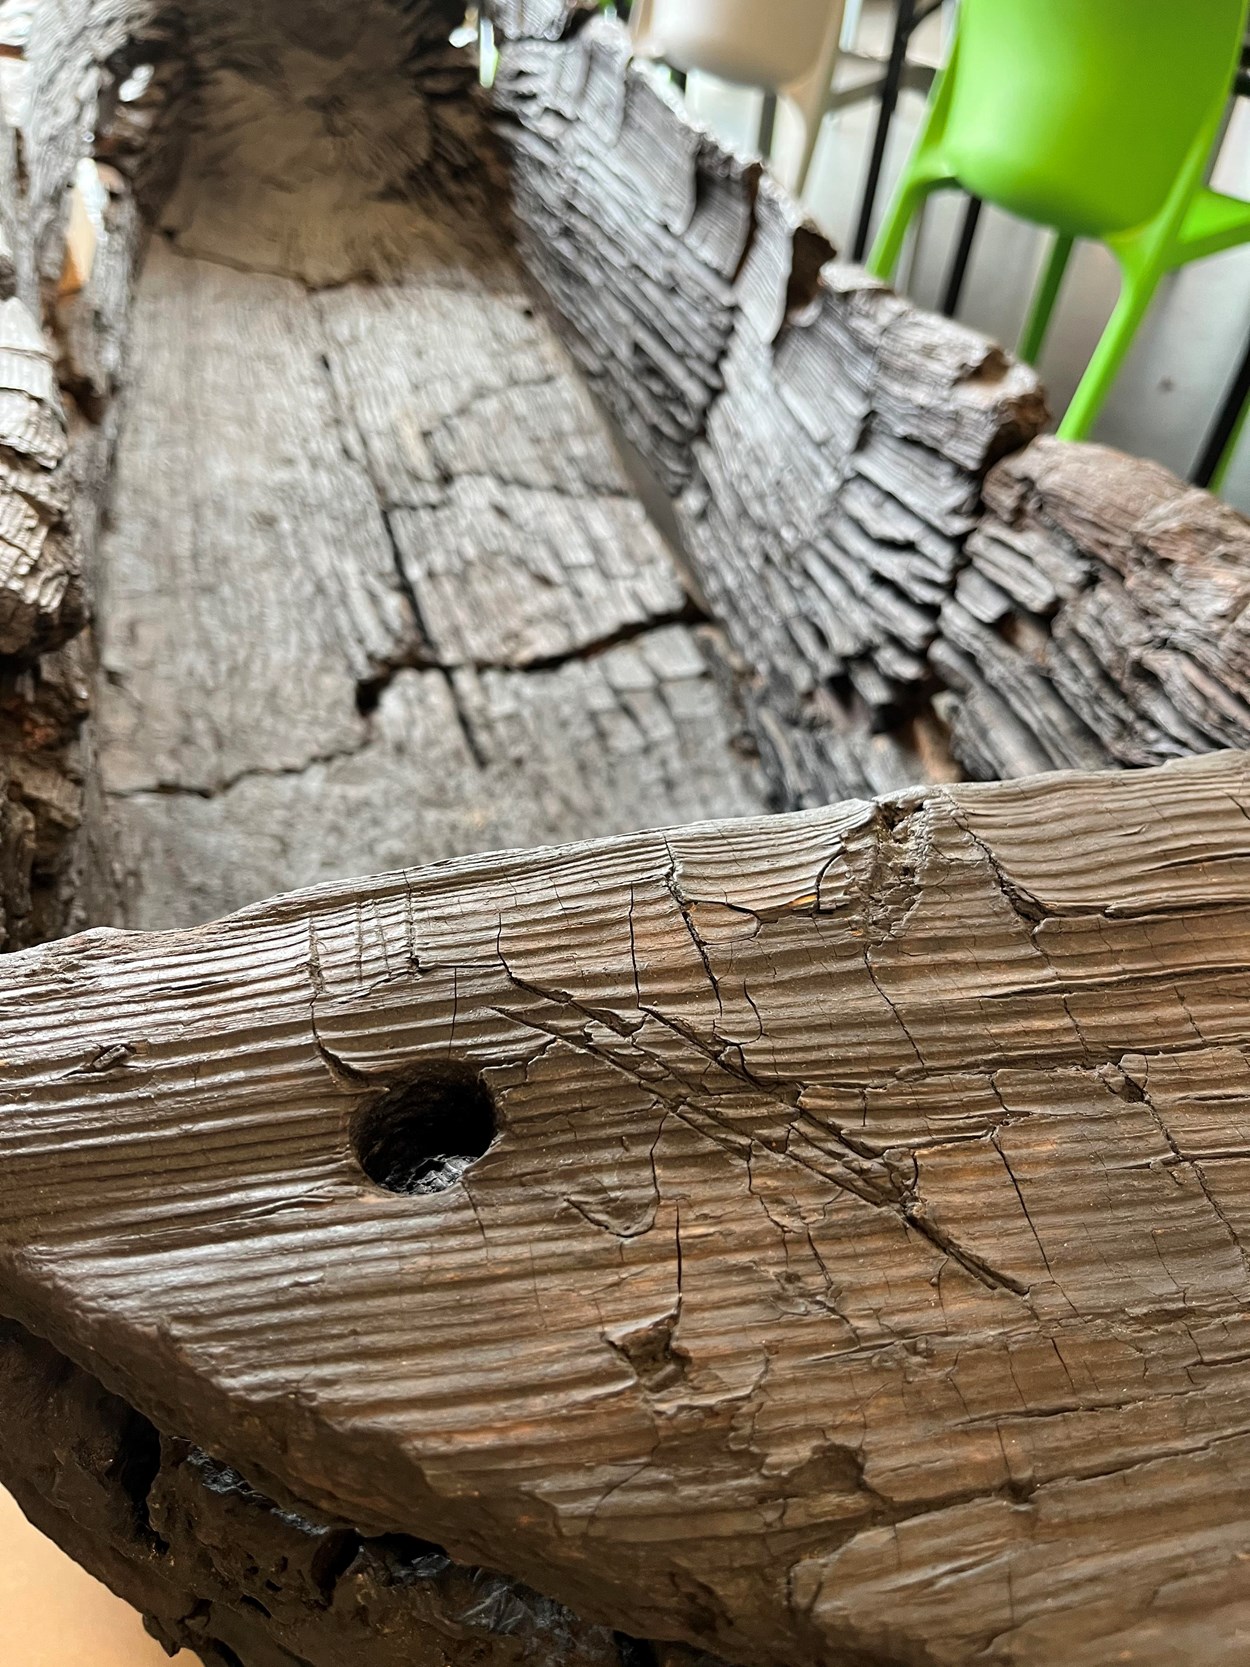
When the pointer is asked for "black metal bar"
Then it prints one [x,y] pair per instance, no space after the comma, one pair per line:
[1224,426]
[768,121]
[963,253]
[904,24]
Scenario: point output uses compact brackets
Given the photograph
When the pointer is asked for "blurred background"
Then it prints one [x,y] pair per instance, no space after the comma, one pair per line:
[1187,352]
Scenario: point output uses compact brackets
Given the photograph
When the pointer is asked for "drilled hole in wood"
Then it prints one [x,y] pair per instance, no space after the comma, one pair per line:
[421,1138]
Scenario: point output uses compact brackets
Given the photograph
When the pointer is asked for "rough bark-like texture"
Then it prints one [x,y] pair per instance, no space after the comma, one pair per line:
[40,588]
[831,442]
[857,1270]
[1105,610]
[830,438]
[61,359]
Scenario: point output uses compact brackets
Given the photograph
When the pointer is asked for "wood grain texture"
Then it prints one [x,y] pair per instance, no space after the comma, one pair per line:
[857,1272]
[376,588]
[451,763]
[220,1570]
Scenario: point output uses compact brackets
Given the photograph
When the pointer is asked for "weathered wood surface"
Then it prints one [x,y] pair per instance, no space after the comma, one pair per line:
[857,1271]
[830,443]
[1106,608]
[376,589]
[827,437]
[216,1567]
[58,372]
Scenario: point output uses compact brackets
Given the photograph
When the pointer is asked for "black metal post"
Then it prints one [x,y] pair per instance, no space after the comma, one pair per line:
[907,19]
[1224,426]
[904,23]
[963,254]
[768,121]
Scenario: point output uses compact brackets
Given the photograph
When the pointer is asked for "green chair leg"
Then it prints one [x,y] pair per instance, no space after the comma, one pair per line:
[1140,282]
[908,201]
[1034,333]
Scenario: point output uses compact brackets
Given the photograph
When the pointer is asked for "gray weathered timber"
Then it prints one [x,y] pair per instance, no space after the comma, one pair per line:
[857,1271]
[60,358]
[828,438]
[376,589]
[830,443]
[41,602]
[1109,604]
[449,763]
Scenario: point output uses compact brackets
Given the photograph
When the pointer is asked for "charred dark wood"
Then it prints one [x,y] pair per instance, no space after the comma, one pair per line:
[220,1570]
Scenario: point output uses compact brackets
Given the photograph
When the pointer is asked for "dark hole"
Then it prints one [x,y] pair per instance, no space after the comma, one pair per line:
[336,1552]
[214,1650]
[634,1652]
[369,694]
[422,1138]
[136,1467]
[408,1560]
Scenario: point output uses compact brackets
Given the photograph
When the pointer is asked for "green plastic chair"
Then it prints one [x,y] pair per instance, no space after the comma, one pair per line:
[1095,117]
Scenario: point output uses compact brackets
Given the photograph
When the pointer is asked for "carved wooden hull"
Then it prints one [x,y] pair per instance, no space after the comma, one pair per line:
[821,1241]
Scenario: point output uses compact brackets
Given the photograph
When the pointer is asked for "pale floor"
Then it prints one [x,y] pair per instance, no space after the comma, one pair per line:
[1188,348]
[52,1614]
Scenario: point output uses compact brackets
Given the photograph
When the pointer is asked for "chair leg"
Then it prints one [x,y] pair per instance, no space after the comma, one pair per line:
[1034,332]
[907,203]
[1112,350]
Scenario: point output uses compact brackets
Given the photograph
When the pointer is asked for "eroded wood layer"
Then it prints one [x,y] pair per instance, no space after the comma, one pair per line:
[1105,610]
[830,442]
[857,1271]
[828,438]
[61,352]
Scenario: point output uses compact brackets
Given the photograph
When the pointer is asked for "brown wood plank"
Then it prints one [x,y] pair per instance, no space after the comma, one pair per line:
[855,1269]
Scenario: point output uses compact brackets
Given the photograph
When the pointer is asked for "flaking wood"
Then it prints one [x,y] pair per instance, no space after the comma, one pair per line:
[854,1270]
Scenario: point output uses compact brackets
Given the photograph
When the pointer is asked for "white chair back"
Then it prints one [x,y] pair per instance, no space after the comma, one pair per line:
[760,43]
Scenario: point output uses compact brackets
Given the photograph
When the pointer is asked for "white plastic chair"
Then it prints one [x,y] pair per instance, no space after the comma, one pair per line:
[787,47]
